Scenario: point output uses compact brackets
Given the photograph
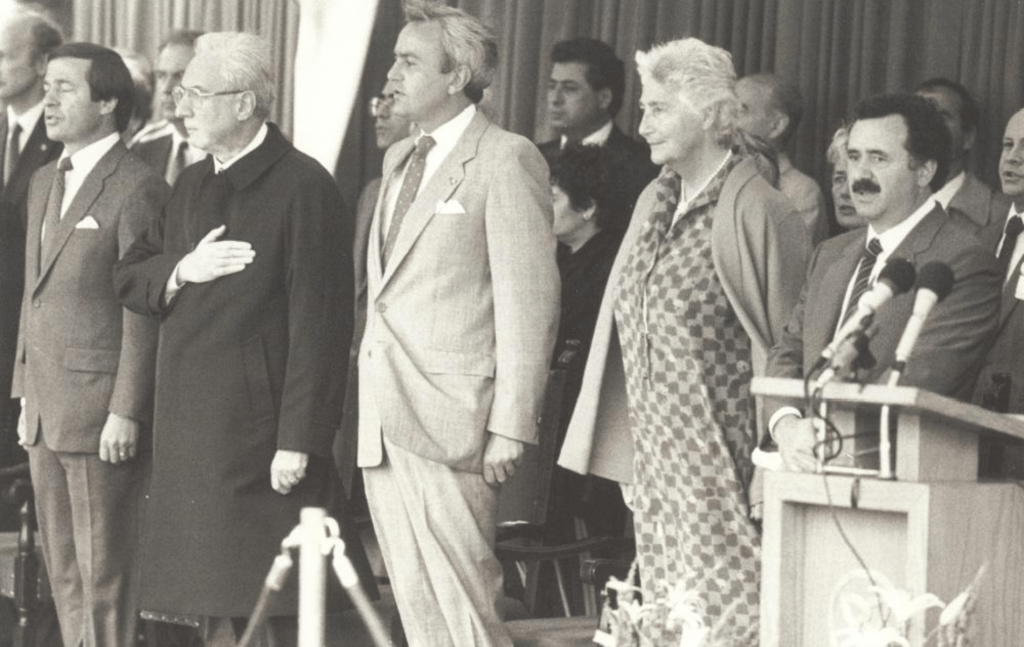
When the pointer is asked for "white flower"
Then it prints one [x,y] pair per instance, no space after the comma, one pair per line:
[902,605]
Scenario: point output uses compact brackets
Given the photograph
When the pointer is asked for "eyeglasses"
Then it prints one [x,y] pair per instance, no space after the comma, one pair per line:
[179,94]
[380,105]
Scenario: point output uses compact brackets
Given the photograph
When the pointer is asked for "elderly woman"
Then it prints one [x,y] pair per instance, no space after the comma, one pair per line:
[709,269]
[846,213]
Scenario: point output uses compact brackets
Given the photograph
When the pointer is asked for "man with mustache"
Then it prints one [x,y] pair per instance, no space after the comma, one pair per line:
[1001,381]
[898,153]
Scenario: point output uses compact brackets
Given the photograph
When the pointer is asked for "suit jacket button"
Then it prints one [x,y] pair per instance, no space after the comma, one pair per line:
[381,307]
[540,420]
[37,303]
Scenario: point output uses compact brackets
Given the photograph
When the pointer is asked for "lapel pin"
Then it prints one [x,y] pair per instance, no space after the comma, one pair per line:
[452,180]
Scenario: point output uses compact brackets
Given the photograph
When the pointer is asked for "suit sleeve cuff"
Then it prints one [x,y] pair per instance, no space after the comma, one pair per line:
[779,415]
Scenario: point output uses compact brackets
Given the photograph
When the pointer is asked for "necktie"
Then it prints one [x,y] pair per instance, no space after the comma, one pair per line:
[51,219]
[863,279]
[178,163]
[1013,228]
[13,153]
[411,184]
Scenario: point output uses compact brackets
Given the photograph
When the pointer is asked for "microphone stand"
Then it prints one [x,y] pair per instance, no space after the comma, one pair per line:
[884,432]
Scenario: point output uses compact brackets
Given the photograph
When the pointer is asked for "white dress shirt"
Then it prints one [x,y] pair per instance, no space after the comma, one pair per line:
[597,138]
[949,189]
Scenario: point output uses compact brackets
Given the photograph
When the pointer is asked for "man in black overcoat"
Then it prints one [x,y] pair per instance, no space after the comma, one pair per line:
[251,276]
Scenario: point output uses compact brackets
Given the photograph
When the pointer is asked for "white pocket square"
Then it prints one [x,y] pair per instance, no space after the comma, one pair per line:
[450,206]
[87,223]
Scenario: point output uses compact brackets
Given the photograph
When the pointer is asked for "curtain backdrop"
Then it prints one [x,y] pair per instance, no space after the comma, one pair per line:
[837,51]
[141,25]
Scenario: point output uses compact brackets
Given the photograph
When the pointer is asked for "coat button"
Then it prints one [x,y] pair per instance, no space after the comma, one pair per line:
[37,303]
[381,307]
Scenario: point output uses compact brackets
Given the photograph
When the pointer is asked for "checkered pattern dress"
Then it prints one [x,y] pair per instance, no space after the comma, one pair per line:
[688,372]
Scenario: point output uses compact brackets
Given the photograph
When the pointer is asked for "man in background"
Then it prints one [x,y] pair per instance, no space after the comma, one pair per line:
[962,192]
[164,146]
[585,92]
[26,39]
[770,108]
[85,365]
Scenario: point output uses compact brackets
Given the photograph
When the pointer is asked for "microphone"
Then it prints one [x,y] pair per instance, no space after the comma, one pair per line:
[934,283]
[851,354]
[896,277]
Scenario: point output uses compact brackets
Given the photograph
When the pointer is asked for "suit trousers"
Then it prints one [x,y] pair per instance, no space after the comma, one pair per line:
[89,514]
[436,528]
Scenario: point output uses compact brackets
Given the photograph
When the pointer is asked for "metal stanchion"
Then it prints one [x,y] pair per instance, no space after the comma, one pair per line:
[312,577]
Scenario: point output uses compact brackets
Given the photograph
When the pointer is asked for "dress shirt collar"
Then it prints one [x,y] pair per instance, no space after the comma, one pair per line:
[447,134]
[597,138]
[894,236]
[85,160]
[949,189]
[27,119]
[785,164]
[261,134]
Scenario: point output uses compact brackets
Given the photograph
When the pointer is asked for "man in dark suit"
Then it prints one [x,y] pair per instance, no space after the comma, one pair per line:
[85,365]
[26,39]
[1001,381]
[251,276]
[898,152]
[463,292]
[961,192]
[164,146]
[585,92]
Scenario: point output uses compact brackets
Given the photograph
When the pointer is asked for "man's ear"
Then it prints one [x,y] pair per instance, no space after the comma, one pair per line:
[246,105]
[460,79]
[604,98]
[926,172]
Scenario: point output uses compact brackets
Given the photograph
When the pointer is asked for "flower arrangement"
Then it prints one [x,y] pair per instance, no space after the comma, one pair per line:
[683,609]
[882,614]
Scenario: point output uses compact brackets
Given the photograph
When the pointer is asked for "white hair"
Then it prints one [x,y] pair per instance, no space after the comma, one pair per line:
[699,74]
[245,62]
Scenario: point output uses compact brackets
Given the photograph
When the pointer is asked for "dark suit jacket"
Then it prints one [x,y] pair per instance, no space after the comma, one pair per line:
[80,354]
[954,338]
[248,364]
[973,201]
[630,170]
[38,151]
[155,152]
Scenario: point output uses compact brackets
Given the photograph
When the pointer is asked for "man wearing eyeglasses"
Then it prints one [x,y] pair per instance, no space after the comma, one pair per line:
[251,276]
[84,365]
[164,146]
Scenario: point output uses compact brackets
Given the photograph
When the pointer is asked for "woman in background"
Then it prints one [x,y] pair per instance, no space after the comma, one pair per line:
[846,213]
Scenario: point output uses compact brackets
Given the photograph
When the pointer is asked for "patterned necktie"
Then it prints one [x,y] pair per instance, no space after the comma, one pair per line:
[1013,228]
[51,219]
[13,153]
[863,280]
[411,184]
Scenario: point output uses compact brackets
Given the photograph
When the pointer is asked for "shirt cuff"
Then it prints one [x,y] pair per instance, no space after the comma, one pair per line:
[779,415]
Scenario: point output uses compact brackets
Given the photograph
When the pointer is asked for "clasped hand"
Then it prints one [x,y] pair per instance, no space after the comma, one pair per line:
[212,258]
[796,439]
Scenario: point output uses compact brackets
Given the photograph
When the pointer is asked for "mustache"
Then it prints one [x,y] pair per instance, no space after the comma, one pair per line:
[865,186]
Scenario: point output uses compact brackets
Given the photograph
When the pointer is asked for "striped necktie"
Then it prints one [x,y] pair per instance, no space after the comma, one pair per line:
[863,277]
[413,176]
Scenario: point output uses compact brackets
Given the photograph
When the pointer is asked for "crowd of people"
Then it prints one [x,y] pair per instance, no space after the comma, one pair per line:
[198,343]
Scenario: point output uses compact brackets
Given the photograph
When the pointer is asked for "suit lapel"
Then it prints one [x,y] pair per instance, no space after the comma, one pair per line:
[834,283]
[1009,299]
[392,165]
[38,192]
[920,238]
[439,188]
[83,200]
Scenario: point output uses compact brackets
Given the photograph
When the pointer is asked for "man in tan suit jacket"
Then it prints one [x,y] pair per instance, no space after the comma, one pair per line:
[462,313]
[85,366]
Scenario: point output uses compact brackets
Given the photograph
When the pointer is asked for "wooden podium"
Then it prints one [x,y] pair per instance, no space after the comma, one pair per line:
[928,530]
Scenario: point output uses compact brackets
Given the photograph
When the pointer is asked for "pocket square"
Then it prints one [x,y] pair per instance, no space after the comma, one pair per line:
[87,223]
[450,206]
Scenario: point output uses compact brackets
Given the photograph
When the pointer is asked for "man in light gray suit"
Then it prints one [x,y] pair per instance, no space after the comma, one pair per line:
[85,366]
[463,296]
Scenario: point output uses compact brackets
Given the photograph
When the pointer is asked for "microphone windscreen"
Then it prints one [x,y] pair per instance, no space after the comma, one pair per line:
[898,273]
[937,277]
